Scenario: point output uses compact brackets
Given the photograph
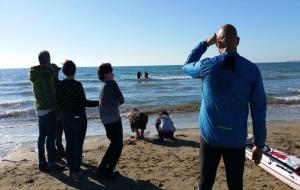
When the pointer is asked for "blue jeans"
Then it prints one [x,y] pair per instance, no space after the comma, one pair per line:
[74,125]
[47,130]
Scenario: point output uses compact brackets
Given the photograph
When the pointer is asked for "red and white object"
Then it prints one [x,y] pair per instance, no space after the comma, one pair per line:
[281,165]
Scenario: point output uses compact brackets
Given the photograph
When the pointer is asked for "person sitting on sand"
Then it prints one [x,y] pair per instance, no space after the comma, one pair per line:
[165,126]
[230,85]
[42,79]
[139,75]
[138,122]
[72,101]
[110,98]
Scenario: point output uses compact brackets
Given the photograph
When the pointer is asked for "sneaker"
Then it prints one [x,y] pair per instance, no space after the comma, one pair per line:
[76,176]
[43,167]
[113,174]
[101,172]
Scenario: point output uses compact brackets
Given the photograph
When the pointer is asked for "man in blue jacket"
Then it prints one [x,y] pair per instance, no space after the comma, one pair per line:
[230,85]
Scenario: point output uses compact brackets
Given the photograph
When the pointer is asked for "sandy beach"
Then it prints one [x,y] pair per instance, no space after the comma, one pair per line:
[146,165]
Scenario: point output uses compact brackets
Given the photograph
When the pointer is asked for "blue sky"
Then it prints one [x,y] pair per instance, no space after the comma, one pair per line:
[140,32]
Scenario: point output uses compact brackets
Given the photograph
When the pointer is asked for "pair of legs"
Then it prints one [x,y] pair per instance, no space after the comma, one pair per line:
[114,132]
[75,126]
[139,133]
[47,129]
[58,140]
[164,134]
[234,160]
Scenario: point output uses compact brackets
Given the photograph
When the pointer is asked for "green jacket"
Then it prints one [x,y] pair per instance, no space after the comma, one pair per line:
[43,88]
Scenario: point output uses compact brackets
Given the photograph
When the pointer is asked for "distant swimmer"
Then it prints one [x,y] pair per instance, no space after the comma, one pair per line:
[146,74]
[139,75]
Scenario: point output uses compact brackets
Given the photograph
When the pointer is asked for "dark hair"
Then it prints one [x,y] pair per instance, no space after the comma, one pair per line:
[103,69]
[69,68]
[164,112]
[44,57]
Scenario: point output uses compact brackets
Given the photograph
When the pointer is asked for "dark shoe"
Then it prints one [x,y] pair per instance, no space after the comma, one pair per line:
[43,167]
[76,176]
[173,139]
[101,172]
[55,167]
[113,174]
[160,140]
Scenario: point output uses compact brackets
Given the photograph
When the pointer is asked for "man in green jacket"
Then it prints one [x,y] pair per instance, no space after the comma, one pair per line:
[42,78]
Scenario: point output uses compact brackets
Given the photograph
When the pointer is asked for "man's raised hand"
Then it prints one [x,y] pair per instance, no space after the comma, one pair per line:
[212,40]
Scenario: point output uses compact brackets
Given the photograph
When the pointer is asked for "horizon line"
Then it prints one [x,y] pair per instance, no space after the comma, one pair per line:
[268,62]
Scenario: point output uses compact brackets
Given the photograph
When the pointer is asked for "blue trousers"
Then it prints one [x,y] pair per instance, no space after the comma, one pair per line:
[47,130]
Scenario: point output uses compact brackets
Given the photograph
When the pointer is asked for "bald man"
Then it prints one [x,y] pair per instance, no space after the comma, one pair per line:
[231,85]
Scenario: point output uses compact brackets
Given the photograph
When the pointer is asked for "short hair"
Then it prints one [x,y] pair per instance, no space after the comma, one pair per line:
[164,112]
[69,68]
[103,69]
[44,56]
[229,33]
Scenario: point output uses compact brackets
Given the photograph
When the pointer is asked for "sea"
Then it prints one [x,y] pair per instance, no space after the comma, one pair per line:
[168,87]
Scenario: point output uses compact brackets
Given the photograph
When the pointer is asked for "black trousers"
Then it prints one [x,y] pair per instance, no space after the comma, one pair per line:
[234,160]
[58,140]
[75,126]
[114,132]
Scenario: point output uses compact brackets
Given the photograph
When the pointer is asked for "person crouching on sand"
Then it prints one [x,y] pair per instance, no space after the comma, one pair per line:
[138,122]
[110,98]
[165,126]
[72,101]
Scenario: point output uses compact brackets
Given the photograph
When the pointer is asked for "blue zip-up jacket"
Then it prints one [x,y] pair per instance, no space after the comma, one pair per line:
[230,85]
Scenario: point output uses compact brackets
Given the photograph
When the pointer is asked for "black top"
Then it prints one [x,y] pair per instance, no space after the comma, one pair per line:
[71,97]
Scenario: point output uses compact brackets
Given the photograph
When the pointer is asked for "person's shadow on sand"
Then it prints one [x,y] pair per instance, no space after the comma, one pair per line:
[90,181]
[177,143]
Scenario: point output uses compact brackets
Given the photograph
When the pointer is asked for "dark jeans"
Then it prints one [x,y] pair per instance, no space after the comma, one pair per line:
[234,160]
[47,129]
[75,129]
[114,133]
[58,140]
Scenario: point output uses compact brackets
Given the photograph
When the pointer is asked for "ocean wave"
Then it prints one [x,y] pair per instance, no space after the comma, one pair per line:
[15,104]
[15,83]
[26,92]
[89,80]
[287,100]
[172,78]
[161,78]
[188,107]
[14,110]
[293,90]
[17,113]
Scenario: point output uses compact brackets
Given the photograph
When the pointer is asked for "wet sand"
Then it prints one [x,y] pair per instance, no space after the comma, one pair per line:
[146,165]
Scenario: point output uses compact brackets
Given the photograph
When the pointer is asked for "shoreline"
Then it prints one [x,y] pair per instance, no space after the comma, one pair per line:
[148,164]
[12,138]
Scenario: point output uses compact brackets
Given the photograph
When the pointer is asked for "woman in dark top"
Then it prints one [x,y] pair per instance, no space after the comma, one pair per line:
[72,102]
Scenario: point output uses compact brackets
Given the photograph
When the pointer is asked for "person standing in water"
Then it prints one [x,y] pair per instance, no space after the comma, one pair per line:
[146,75]
[139,75]
[230,85]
